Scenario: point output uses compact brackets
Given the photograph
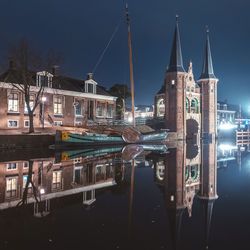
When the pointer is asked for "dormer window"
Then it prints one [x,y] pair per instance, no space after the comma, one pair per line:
[44,79]
[90,88]
[90,84]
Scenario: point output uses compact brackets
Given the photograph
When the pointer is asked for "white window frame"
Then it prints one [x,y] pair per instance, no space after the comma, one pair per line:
[44,74]
[81,102]
[112,110]
[24,163]
[93,83]
[25,124]
[11,190]
[103,105]
[58,123]
[13,102]
[57,103]
[11,169]
[57,175]
[10,120]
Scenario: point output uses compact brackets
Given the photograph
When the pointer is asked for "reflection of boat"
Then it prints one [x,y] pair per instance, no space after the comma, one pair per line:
[127,152]
[68,139]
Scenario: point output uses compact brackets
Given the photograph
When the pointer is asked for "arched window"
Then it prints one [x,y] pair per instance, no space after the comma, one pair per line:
[194,172]
[186,173]
[194,106]
[187,106]
[161,107]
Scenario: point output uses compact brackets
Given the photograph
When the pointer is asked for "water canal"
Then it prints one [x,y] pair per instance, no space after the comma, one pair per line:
[188,197]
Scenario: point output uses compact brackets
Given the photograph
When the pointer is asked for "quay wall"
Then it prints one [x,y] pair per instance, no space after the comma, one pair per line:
[26,141]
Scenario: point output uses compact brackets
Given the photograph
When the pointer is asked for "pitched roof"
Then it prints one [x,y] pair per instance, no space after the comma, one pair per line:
[58,82]
[162,90]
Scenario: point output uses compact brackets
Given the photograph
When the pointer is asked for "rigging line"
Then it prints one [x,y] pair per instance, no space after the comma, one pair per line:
[106,47]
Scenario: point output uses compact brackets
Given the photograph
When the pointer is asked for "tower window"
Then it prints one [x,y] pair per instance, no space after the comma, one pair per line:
[187,105]
[194,106]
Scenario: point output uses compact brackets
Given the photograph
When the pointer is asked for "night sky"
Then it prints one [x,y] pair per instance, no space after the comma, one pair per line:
[80,29]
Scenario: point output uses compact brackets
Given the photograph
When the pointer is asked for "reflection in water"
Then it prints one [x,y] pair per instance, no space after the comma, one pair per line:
[183,173]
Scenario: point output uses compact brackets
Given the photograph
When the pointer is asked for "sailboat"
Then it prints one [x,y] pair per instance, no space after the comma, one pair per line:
[130,135]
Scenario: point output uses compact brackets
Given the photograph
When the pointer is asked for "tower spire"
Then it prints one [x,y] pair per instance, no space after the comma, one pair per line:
[176,62]
[208,70]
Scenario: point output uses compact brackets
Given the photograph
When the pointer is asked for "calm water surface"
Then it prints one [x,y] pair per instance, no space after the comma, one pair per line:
[190,197]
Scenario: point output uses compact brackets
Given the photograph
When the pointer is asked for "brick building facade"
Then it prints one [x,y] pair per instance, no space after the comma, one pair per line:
[66,101]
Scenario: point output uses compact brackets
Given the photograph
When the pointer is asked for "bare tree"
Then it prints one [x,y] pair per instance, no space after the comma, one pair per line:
[27,62]
[29,183]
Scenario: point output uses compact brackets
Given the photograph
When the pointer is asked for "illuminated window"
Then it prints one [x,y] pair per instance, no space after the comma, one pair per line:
[161,107]
[100,109]
[58,105]
[78,107]
[187,105]
[110,111]
[57,180]
[11,187]
[13,102]
[31,102]
[25,179]
[194,106]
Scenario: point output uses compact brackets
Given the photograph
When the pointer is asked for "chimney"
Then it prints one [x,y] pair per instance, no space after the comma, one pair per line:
[12,64]
[55,70]
[89,76]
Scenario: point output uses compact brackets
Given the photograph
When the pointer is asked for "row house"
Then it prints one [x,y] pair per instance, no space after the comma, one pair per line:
[65,101]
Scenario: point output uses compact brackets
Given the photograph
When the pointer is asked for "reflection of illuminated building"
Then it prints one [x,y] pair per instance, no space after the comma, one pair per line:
[187,171]
[54,180]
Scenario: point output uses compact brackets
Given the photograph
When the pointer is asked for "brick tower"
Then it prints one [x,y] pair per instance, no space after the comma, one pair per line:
[175,89]
[208,84]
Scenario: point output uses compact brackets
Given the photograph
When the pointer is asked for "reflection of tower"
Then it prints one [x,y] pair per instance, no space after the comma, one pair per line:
[208,84]
[174,190]
[208,189]
[181,180]
[175,86]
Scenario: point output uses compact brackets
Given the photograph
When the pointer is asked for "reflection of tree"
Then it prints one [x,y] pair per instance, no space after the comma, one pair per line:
[122,92]
[29,183]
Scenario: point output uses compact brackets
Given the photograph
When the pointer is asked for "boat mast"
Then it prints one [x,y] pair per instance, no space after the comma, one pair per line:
[131,73]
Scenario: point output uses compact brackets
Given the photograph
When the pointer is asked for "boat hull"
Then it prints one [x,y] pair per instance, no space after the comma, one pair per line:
[66,139]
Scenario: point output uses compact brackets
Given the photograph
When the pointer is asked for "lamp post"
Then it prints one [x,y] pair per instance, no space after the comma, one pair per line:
[43,101]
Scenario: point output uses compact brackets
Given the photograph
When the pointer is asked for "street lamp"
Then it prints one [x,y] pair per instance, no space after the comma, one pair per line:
[43,99]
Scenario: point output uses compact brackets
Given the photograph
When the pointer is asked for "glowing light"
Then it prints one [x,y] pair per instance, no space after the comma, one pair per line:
[227,147]
[130,119]
[227,126]
[42,191]
[44,98]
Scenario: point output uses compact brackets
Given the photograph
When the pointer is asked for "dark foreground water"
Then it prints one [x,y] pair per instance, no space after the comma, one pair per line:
[190,197]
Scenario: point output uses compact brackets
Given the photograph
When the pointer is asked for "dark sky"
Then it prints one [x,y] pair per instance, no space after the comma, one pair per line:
[80,29]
